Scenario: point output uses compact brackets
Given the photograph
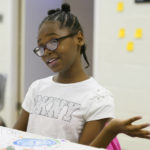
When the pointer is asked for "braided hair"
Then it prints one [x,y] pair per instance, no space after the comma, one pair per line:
[68,20]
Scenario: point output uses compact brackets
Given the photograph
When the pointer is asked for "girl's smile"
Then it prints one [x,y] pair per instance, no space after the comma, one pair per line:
[52,62]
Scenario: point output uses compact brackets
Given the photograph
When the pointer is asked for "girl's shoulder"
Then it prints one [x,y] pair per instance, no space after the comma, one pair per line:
[41,82]
[98,90]
[97,87]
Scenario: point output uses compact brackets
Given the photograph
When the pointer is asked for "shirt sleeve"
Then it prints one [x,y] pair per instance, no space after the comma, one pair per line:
[29,98]
[101,105]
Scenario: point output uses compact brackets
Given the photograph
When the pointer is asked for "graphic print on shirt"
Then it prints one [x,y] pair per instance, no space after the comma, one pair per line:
[54,107]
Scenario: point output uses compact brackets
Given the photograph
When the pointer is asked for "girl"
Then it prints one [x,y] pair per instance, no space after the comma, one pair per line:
[70,105]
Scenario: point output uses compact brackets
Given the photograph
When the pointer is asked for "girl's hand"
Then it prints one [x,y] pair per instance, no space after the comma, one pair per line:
[116,126]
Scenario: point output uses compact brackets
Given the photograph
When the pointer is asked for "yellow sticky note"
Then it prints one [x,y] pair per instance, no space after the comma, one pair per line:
[138,33]
[130,46]
[121,33]
[120,6]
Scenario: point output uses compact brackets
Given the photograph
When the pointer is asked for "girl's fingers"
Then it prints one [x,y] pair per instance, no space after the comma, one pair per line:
[139,127]
[145,132]
[147,137]
[140,133]
[143,136]
[131,120]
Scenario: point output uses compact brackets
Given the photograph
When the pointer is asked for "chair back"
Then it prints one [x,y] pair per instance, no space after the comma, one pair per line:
[114,145]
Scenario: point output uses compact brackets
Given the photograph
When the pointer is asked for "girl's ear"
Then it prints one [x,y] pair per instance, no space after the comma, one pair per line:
[79,38]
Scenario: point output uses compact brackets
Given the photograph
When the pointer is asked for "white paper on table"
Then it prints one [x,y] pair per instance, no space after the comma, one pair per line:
[17,140]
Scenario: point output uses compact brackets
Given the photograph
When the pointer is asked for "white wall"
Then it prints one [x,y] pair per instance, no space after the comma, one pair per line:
[8,57]
[125,74]
[32,66]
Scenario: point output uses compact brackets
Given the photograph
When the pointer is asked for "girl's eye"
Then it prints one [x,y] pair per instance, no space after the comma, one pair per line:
[53,41]
[52,45]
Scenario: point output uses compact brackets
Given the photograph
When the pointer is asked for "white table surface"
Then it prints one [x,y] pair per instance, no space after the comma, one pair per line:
[11,139]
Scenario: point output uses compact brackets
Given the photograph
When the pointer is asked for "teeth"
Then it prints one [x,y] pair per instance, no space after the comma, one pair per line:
[49,61]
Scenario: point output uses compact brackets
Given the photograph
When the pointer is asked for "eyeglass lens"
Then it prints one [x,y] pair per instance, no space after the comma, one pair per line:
[52,45]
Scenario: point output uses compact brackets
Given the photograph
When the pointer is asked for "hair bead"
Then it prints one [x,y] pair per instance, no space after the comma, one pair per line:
[65,7]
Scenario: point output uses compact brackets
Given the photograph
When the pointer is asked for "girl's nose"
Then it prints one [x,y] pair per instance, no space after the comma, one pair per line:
[47,51]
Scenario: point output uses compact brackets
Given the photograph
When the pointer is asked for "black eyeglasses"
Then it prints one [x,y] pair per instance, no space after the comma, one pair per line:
[51,45]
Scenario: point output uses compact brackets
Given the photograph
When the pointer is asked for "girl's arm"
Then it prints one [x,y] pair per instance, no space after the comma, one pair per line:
[22,122]
[91,130]
[116,126]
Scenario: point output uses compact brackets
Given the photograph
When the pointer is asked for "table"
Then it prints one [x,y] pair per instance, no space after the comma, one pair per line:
[11,139]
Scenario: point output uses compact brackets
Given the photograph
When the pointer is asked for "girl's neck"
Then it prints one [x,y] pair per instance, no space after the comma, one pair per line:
[71,77]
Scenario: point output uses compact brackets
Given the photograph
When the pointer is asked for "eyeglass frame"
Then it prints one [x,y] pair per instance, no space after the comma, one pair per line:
[45,46]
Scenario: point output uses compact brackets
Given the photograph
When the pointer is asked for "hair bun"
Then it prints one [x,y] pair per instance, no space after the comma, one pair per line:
[65,7]
[51,12]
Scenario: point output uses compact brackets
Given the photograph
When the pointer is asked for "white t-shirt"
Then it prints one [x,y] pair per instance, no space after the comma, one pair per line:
[60,110]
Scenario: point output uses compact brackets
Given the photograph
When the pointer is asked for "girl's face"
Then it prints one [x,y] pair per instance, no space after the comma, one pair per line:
[67,55]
